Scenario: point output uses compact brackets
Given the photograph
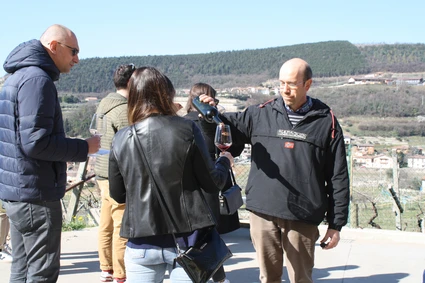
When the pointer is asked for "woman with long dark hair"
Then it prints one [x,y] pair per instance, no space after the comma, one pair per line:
[180,164]
[226,223]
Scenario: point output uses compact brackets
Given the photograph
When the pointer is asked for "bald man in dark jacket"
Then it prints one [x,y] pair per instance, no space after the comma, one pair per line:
[34,152]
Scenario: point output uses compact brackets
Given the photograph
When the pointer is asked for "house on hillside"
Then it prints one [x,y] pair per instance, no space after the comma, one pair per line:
[373,161]
[366,80]
[406,81]
[388,81]
[91,98]
[416,161]
[365,149]
[382,161]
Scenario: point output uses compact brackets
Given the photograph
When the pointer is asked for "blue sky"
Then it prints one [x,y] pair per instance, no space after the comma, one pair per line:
[169,27]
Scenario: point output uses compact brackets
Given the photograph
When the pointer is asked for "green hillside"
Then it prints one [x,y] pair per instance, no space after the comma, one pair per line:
[399,58]
[221,69]
[251,67]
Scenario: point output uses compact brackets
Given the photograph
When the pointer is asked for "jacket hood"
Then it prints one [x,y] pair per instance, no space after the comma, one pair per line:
[111,101]
[31,53]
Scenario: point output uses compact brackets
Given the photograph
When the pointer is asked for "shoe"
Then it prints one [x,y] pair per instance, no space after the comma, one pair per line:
[5,257]
[106,276]
[225,280]
[7,249]
[119,280]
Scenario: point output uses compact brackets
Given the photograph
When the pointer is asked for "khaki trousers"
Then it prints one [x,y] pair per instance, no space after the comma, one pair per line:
[111,245]
[4,229]
[274,238]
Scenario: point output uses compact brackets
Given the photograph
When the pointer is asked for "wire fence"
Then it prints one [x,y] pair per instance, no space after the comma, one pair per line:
[381,198]
[378,198]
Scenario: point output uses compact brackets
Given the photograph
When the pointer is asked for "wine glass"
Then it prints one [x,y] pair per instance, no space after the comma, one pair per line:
[98,127]
[223,137]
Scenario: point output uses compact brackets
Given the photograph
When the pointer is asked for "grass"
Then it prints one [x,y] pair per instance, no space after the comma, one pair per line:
[77,223]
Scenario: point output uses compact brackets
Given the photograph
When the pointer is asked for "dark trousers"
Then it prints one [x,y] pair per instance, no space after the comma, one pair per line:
[35,231]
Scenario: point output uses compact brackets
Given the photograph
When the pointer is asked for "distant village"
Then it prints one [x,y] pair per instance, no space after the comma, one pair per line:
[365,155]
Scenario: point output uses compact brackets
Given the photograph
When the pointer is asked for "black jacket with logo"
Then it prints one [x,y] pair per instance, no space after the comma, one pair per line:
[297,173]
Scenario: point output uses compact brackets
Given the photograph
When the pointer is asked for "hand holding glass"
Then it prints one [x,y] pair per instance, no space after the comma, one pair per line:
[223,137]
[98,127]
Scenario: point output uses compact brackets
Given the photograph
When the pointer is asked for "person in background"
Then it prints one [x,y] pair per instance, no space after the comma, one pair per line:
[226,223]
[35,150]
[181,166]
[298,175]
[113,108]
[5,253]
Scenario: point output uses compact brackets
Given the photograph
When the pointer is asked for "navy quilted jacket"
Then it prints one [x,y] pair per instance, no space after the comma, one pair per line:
[33,146]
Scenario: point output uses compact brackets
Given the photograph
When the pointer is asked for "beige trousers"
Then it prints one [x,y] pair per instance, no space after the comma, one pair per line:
[275,238]
[4,229]
[111,245]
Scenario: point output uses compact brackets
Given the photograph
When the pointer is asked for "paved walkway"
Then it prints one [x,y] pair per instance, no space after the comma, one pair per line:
[367,256]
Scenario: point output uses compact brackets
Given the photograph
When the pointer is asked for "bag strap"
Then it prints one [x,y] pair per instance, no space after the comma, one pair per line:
[232,177]
[156,189]
[161,200]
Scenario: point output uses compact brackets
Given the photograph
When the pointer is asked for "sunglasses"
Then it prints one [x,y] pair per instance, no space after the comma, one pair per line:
[75,51]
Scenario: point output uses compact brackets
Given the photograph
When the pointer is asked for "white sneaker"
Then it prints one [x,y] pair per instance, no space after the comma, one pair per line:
[106,276]
[5,257]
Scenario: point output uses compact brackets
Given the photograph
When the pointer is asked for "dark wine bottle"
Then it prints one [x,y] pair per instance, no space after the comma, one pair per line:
[209,112]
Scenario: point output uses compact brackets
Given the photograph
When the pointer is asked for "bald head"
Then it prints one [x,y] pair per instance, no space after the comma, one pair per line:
[56,33]
[62,45]
[299,66]
[295,80]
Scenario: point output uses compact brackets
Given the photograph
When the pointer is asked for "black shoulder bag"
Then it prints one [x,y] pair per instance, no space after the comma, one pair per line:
[203,259]
[231,199]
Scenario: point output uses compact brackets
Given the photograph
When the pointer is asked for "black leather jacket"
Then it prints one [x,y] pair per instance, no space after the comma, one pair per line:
[181,165]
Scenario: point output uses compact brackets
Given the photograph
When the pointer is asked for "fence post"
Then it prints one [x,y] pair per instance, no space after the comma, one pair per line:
[394,190]
[76,192]
[350,152]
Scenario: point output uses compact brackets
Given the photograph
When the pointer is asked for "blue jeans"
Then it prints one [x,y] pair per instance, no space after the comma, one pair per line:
[35,232]
[149,266]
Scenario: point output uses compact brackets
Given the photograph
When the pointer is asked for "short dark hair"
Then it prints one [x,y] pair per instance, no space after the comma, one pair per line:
[122,74]
[150,92]
[197,90]
[308,73]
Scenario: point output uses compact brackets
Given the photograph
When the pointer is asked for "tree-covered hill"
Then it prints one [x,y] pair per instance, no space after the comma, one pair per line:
[251,67]
[221,69]
[399,58]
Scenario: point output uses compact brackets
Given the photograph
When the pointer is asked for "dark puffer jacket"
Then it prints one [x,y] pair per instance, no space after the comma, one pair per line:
[181,166]
[33,146]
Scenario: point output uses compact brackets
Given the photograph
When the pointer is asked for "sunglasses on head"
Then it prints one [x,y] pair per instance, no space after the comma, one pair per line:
[74,50]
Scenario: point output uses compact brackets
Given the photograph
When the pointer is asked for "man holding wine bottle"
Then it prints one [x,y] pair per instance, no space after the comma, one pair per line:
[34,151]
[298,175]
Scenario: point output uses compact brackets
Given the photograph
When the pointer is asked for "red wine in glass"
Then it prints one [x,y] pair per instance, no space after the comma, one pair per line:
[223,137]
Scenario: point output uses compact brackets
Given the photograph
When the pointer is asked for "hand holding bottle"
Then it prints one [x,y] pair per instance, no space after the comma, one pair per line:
[206,108]
[207,99]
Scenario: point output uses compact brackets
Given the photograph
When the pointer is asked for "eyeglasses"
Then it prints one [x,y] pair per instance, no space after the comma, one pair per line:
[74,50]
[290,85]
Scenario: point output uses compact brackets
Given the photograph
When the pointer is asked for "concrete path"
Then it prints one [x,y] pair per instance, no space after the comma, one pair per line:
[367,256]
